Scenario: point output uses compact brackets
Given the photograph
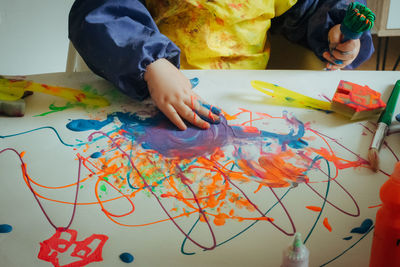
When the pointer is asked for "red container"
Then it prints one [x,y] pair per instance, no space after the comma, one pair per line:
[385,249]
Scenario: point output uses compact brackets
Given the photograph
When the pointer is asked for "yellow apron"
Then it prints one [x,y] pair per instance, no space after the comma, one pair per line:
[219,34]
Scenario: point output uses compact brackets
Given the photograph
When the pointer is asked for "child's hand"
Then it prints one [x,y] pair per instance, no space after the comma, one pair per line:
[341,54]
[172,93]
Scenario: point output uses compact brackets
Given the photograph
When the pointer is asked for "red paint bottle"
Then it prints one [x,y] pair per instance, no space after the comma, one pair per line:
[385,249]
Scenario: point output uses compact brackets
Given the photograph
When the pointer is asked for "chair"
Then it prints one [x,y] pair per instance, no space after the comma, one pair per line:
[74,61]
[287,55]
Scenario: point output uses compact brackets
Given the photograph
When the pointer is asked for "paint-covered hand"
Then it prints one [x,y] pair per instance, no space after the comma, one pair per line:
[172,93]
[340,53]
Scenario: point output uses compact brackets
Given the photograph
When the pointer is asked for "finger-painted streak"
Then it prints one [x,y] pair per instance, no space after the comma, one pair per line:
[355,243]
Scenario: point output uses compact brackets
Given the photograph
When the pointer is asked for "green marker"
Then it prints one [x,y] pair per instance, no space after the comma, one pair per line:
[383,125]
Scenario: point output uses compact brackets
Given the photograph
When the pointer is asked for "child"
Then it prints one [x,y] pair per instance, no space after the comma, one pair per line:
[125,41]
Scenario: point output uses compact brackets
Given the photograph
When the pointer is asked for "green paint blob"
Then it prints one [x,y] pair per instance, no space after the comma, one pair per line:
[103,188]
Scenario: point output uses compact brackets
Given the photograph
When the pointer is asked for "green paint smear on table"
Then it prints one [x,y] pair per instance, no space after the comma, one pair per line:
[53,108]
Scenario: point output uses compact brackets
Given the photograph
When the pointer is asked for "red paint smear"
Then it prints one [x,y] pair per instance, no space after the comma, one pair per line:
[327,225]
[313,208]
[52,248]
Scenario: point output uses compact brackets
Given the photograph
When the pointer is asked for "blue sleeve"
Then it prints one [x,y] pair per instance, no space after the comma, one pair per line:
[118,39]
[309,21]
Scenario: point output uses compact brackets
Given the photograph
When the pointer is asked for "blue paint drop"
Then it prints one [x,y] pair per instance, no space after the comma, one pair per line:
[126,257]
[96,155]
[347,238]
[366,224]
[398,117]
[194,82]
[5,228]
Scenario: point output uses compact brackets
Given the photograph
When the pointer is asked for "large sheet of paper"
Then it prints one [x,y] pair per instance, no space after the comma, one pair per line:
[233,195]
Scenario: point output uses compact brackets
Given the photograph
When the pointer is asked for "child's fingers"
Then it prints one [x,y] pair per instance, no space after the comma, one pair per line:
[350,45]
[205,112]
[334,62]
[332,59]
[173,116]
[189,115]
[213,109]
[334,36]
[202,102]
[330,66]
[341,56]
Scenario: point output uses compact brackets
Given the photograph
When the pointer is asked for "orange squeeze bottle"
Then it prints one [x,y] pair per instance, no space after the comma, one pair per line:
[385,249]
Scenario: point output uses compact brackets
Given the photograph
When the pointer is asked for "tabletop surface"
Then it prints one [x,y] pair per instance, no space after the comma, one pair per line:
[232,195]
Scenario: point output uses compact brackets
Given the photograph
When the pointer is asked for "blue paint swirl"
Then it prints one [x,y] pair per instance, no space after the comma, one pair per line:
[159,134]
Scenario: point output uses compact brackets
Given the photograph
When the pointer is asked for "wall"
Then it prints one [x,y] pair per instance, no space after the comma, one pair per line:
[33,36]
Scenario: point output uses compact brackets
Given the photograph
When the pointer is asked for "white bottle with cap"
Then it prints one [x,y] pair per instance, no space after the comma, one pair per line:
[296,255]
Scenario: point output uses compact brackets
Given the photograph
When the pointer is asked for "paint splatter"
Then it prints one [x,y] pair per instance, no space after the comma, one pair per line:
[314,208]
[327,225]
[365,225]
[347,238]
[5,228]
[210,175]
[96,155]
[126,257]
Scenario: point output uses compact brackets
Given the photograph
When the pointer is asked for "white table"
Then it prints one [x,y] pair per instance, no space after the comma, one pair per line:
[335,144]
